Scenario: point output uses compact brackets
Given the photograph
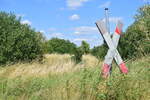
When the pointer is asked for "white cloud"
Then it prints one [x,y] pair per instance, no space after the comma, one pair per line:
[146,0]
[74,4]
[42,31]
[114,19]
[105,5]
[26,22]
[56,34]
[52,32]
[74,17]
[41,1]
[20,15]
[62,8]
[51,29]
[80,39]
[85,30]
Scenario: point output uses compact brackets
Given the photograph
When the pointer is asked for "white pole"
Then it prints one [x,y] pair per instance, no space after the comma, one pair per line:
[107,19]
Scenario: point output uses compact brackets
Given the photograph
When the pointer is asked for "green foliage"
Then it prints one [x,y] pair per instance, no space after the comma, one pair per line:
[100,51]
[84,84]
[85,47]
[136,40]
[79,51]
[61,46]
[18,42]
[131,43]
[78,54]
[56,45]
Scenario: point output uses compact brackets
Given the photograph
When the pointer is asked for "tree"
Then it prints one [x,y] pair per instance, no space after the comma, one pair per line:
[61,46]
[18,42]
[78,54]
[100,51]
[85,47]
[136,40]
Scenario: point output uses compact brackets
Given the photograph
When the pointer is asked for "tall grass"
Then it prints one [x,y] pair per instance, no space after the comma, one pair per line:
[84,83]
[52,64]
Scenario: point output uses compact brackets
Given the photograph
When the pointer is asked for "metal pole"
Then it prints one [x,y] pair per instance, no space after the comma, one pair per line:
[107,19]
[108,29]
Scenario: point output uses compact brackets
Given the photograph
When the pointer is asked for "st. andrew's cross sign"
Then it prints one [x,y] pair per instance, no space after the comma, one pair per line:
[112,44]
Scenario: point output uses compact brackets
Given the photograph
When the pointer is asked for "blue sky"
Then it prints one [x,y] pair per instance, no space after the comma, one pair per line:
[73,20]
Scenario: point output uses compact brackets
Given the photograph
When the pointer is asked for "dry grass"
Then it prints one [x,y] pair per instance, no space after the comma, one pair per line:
[52,64]
[74,81]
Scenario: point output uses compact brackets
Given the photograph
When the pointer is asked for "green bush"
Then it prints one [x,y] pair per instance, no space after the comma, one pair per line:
[79,51]
[56,45]
[85,47]
[78,54]
[136,41]
[18,42]
[100,51]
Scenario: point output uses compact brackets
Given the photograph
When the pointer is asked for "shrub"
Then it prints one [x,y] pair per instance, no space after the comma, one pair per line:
[100,51]
[18,42]
[56,45]
[85,47]
[136,41]
[78,54]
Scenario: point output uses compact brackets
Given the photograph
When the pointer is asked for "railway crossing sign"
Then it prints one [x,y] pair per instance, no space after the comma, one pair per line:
[112,44]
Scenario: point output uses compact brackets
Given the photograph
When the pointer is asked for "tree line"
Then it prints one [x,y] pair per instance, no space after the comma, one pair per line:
[20,42]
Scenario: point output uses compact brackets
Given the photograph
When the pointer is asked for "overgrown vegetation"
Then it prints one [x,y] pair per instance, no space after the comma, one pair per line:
[136,40]
[83,84]
[100,51]
[83,49]
[61,46]
[18,42]
[59,77]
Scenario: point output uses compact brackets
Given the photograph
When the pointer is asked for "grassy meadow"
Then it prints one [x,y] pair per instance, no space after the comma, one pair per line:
[58,77]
